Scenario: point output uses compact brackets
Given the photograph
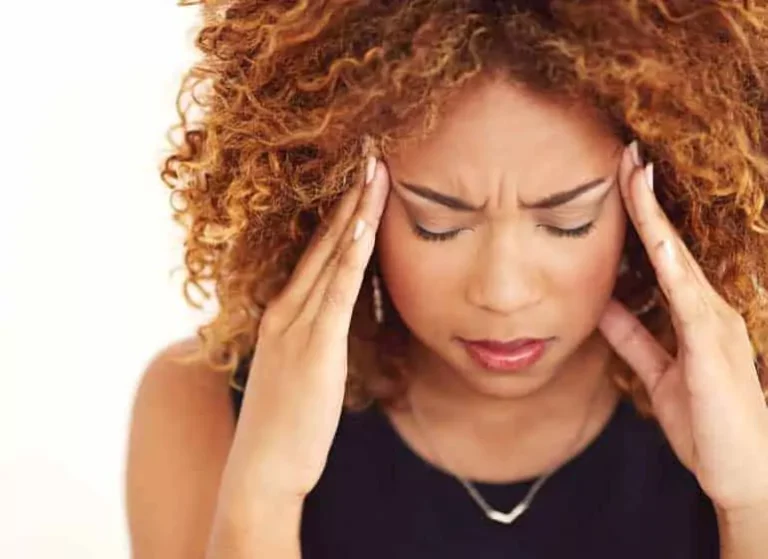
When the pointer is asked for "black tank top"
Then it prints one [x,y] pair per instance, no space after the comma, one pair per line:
[625,496]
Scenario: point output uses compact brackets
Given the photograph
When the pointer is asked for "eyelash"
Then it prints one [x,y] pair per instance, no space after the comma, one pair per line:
[576,232]
[430,236]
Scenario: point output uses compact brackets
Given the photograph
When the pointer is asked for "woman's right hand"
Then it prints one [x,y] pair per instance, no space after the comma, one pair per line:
[295,390]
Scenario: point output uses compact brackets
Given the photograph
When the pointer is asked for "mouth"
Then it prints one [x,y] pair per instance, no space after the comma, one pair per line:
[506,356]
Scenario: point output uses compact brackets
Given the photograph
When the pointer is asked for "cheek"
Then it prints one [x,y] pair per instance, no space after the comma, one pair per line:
[589,278]
[417,274]
[587,274]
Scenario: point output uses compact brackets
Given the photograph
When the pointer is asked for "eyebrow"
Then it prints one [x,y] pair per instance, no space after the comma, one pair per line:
[548,202]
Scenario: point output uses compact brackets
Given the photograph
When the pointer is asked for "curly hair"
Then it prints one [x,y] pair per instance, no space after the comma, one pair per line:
[288,97]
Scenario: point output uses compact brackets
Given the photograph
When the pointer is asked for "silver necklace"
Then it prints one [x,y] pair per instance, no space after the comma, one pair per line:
[488,510]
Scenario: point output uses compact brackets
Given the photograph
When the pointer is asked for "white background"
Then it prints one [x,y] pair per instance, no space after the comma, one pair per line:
[87,91]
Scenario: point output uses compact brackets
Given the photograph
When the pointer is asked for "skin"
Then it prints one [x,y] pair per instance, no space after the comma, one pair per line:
[505,275]
[501,278]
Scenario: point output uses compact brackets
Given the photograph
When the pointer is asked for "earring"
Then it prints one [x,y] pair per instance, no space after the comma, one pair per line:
[650,304]
[623,265]
[653,298]
[378,305]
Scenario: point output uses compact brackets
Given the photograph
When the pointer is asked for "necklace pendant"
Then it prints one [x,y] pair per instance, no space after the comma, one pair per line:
[509,517]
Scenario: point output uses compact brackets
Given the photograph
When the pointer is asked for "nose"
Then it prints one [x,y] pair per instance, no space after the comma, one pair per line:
[504,278]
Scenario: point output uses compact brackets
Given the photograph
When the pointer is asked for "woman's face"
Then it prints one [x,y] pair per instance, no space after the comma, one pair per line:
[481,239]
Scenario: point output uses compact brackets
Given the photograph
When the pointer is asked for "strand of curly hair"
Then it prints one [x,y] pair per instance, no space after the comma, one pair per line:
[274,115]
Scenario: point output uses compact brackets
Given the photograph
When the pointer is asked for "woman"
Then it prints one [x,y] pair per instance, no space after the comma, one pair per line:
[490,279]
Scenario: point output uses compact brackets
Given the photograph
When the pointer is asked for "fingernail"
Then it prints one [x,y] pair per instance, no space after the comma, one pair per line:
[359,228]
[635,152]
[648,171]
[370,170]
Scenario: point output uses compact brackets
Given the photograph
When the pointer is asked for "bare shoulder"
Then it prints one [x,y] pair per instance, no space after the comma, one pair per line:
[182,426]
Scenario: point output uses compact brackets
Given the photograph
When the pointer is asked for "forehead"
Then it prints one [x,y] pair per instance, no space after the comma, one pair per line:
[498,126]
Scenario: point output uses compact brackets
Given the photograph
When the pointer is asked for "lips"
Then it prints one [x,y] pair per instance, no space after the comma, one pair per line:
[506,356]
[493,345]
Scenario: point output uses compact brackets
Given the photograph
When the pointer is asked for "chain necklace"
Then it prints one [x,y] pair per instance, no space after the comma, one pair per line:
[522,506]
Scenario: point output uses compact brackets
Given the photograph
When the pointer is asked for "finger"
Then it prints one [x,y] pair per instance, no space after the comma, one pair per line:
[357,221]
[365,221]
[630,339]
[631,169]
[318,253]
[626,165]
[336,304]
[678,275]
[315,298]
[649,204]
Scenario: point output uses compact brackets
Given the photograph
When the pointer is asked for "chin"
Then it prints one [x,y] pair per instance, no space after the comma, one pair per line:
[506,385]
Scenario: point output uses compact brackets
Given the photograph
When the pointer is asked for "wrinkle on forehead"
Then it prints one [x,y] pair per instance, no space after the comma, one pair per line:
[498,143]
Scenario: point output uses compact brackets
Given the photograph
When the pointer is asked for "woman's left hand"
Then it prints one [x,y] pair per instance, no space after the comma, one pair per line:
[707,399]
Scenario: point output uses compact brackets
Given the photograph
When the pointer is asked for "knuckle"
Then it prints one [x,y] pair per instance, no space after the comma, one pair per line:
[336,258]
[631,334]
[271,322]
[734,322]
[642,222]
[699,312]
[694,308]
[332,300]
[324,235]
[658,249]
[657,214]
[701,307]
[348,261]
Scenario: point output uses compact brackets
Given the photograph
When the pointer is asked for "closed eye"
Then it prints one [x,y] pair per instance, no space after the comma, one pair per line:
[428,235]
[581,231]
[575,232]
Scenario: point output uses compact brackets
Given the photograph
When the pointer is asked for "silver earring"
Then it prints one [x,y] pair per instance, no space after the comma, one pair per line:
[651,303]
[378,306]
[623,265]
[653,299]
